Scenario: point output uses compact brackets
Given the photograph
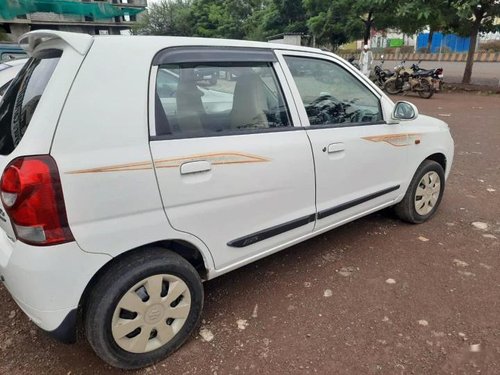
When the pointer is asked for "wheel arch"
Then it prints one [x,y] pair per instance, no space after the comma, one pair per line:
[181,247]
[439,158]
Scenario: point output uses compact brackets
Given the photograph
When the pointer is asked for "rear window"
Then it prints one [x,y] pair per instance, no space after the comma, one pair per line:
[21,98]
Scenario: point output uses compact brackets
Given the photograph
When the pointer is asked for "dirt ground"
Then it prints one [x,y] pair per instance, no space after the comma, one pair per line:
[373,297]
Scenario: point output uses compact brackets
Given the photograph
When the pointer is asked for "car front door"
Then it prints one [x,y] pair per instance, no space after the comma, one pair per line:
[359,157]
[232,168]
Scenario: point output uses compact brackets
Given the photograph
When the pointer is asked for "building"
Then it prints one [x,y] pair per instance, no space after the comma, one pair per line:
[95,17]
[295,39]
[390,38]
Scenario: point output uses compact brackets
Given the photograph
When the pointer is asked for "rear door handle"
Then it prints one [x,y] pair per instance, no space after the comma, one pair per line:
[195,167]
[335,147]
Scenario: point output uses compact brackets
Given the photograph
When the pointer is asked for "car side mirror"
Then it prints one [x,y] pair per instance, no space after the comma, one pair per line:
[404,111]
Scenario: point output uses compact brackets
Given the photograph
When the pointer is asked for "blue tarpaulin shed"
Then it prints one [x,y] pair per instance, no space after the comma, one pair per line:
[453,43]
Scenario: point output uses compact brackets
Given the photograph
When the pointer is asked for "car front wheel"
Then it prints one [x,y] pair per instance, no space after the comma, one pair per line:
[143,308]
[424,193]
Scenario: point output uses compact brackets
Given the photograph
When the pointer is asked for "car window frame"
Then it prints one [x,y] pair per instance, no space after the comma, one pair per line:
[330,58]
[281,82]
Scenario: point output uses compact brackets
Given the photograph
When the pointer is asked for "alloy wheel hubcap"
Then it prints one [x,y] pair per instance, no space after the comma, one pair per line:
[427,193]
[151,313]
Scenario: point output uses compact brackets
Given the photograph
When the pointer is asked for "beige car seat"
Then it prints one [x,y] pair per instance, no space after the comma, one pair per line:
[190,109]
[249,103]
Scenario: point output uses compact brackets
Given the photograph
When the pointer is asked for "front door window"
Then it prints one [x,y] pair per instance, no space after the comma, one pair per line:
[331,95]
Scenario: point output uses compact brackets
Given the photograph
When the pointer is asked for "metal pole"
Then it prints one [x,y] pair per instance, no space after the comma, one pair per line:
[440,48]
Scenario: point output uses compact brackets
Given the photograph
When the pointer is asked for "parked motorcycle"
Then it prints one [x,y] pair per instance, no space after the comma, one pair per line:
[405,80]
[380,75]
[352,61]
[435,74]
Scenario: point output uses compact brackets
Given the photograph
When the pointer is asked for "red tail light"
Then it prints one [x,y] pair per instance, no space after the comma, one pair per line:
[32,196]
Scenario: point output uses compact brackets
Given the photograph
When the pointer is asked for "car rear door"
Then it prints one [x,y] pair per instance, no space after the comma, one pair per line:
[234,167]
[359,158]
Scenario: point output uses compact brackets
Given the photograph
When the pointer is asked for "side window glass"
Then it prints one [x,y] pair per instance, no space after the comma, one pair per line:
[205,99]
[331,95]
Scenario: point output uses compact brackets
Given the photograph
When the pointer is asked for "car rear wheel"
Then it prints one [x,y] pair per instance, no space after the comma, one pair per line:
[423,195]
[143,308]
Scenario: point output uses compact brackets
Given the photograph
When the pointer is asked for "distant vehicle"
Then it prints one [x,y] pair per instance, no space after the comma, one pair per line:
[8,70]
[11,51]
[207,74]
[436,75]
[380,75]
[407,80]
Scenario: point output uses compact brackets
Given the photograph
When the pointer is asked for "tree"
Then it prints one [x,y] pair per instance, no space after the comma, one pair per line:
[340,21]
[166,18]
[222,18]
[413,16]
[472,17]
[332,22]
[377,14]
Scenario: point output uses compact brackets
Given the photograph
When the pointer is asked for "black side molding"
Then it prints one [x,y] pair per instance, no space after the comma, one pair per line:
[270,232]
[282,228]
[355,202]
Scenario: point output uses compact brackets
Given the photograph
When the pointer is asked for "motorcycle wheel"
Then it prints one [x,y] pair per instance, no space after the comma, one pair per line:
[426,90]
[391,87]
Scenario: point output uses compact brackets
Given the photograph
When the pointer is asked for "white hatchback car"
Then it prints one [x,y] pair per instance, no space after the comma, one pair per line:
[122,192]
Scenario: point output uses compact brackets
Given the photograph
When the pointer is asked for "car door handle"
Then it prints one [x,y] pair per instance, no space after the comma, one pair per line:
[335,147]
[195,167]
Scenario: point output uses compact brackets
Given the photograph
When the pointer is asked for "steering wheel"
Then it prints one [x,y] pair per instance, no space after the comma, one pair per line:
[327,109]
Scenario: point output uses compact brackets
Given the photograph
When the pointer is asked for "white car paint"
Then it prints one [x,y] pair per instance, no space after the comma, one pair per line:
[95,120]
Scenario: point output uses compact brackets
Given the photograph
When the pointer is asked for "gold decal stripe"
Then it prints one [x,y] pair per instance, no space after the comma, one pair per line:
[116,168]
[396,140]
[215,159]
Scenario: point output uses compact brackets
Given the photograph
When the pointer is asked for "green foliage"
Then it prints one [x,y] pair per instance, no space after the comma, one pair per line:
[167,17]
[467,12]
[329,23]
[413,16]
[220,18]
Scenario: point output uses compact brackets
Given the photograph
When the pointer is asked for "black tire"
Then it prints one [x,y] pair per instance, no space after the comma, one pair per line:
[391,87]
[406,209]
[427,90]
[116,281]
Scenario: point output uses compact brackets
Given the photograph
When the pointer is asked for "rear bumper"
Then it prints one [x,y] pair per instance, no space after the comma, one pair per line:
[48,282]
[63,320]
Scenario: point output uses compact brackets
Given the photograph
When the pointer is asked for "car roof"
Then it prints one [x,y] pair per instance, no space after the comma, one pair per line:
[82,42]
[179,41]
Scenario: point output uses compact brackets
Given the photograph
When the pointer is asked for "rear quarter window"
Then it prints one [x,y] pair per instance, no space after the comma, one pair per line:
[22,97]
